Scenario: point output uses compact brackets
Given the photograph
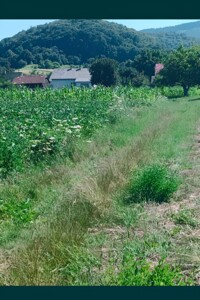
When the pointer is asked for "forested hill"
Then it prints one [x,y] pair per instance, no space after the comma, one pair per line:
[76,41]
[191,29]
[72,41]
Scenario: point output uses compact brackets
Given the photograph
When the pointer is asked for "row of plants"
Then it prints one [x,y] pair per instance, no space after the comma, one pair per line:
[177,91]
[38,124]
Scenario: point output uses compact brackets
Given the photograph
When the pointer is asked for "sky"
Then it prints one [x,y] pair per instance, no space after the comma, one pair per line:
[9,28]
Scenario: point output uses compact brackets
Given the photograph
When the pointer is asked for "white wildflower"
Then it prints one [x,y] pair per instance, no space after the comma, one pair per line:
[76,127]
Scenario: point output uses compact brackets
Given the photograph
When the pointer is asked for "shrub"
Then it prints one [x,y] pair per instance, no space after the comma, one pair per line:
[152,183]
[172,92]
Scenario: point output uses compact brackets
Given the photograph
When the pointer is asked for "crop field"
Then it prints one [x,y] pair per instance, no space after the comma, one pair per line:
[35,125]
[99,186]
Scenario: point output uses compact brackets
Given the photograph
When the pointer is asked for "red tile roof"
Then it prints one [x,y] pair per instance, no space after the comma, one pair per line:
[30,79]
[158,68]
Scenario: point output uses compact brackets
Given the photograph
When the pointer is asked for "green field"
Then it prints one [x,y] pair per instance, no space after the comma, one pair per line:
[33,69]
[99,187]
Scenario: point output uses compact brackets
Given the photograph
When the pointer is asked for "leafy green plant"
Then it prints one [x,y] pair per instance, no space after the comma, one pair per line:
[172,92]
[135,272]
[20,212]
[152,183]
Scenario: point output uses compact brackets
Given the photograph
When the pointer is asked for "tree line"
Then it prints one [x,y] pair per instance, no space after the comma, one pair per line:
[181,67]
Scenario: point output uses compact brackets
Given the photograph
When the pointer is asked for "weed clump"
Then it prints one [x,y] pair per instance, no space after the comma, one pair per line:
[184,217]
[141,273]
[152,183]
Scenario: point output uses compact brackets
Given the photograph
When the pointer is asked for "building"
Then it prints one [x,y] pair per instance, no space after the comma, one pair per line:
[70,77]
[31,81]
[157,69]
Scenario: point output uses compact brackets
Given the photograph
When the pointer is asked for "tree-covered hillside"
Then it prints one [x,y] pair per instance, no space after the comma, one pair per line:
[172,40]
[72,41]
[77,41]
[191,29]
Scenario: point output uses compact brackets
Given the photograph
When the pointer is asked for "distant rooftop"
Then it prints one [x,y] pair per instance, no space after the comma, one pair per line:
[77,74]
[158,68]
[30,79]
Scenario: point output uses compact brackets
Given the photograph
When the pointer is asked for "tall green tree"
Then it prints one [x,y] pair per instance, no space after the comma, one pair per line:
[130,76]
[182,67]
[146,60]
[104,71]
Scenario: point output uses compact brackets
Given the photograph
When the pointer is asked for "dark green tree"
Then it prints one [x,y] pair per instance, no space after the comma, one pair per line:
[146,60]
[130,76]
[181,67]
[104,71]
[21,63]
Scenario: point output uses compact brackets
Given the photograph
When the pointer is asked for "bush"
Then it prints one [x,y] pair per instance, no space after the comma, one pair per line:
[173,92]
[152,183]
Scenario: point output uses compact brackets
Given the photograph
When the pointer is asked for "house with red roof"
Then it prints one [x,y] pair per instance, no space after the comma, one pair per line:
[31,81]
[157,69]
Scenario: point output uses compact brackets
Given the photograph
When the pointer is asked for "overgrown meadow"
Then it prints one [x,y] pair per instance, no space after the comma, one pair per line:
[92,218]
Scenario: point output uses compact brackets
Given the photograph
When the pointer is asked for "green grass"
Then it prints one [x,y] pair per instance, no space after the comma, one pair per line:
[74,228]
[184,217]
[33,69]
